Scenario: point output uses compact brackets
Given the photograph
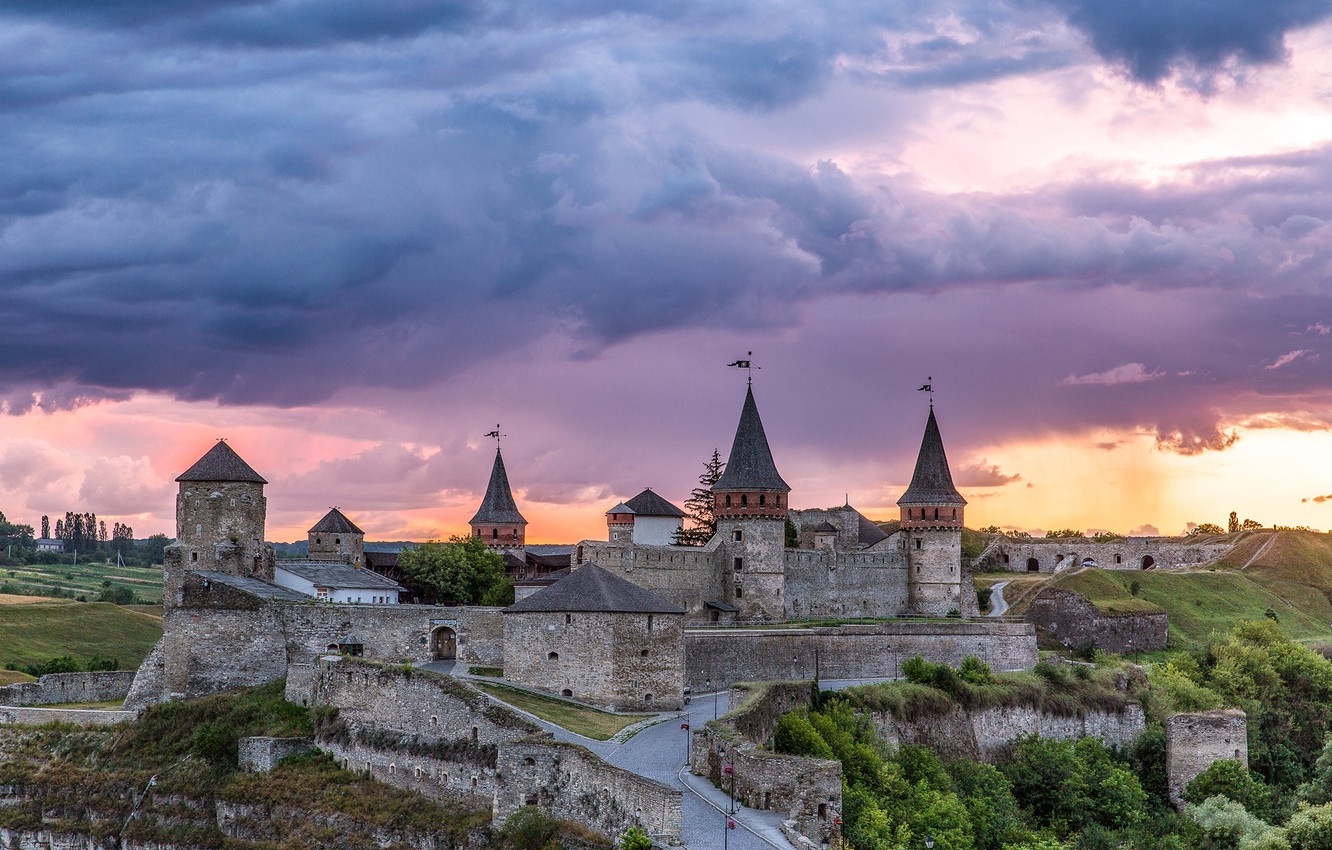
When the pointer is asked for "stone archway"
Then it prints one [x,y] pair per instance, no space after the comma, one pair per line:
[1033,565]
[1148,562]
[444,641]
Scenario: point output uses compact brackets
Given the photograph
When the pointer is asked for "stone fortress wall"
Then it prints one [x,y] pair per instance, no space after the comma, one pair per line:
[434,734]
[717,658]
[1132,553]
[57,688]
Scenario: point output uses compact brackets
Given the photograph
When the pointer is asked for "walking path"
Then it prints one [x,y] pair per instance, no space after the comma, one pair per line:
[997,604]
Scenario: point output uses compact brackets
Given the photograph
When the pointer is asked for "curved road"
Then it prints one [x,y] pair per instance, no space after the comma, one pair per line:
[997,604]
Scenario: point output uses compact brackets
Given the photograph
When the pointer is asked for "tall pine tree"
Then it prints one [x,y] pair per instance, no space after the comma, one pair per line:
[698,507]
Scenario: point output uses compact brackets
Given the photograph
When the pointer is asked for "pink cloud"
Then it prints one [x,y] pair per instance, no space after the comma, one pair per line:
[1290,357]
[1129,373]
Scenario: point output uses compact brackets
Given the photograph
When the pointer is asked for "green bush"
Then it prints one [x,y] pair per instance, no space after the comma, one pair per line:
[529,828]
[635,839]
[1229,778]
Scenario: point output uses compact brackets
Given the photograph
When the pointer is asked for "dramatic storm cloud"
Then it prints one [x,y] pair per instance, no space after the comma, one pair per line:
[385,224]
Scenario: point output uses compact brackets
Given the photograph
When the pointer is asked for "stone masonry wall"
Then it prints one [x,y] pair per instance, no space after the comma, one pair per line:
[1074,621]
[1165,553]
[716,658]
[571,783]
[37,716]
[826,583]
[261,753]
[1194,741]
[983,734]
[689,576]
[221,638]
[56,688]
[807,791]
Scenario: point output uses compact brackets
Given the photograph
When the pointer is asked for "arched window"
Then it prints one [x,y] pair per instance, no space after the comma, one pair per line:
[728,500]
[552,656]
[936,513]
[762,500]
[494,534]
[337,541]
[744,500]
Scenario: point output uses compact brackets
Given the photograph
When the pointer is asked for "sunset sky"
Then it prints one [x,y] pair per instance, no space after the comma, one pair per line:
[351,237]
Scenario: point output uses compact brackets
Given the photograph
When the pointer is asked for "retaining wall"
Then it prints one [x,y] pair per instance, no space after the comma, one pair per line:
[1073,620]
[56,688]
[718,658]
[36,716]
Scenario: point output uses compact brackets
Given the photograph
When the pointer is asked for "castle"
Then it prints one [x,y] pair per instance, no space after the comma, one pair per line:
[628,623]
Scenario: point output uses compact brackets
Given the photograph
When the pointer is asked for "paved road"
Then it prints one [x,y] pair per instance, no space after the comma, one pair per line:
[997,604]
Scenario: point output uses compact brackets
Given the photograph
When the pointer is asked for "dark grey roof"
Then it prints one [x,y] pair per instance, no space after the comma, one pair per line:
[351,639]
[252,586]
[932,483]
[221,463]
[381,559]
[333,574]
[334,522]
[621,508]
[869,532]
[498,508]
[722,606]
[824,527]
[648,503]
[549,548]
[750,465]
[591,588]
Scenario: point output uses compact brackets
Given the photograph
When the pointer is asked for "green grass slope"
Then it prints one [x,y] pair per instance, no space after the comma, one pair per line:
[34,633]
[1288,573]
[86,579]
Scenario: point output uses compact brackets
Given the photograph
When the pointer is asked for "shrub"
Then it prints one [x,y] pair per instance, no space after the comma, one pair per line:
[976,672]
[529,828]
[796,735]
[635,839]
[1229,778]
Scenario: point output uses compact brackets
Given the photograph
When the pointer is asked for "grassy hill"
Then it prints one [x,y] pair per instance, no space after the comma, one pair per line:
[34,633]
[1286,572]
[86,579]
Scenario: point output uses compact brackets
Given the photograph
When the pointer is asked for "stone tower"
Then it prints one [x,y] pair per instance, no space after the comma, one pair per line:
[750,503]
[220,515]
[336,538]
[497,522]
[932,519]
[620,524]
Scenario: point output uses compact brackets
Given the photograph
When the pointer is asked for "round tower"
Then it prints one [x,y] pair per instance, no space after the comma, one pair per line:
[932,520]
[497,522]
[750,503]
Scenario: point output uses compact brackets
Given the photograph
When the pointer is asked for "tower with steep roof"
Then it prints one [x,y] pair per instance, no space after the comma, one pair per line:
[497,521]
[750,503]
[336,538]
[932,519]
[220,516]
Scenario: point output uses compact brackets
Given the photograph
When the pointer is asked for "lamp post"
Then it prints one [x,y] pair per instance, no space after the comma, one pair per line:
[685,727]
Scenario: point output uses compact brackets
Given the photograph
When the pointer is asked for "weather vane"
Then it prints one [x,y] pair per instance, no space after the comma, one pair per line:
[748,365]
[928,387]
[496,434]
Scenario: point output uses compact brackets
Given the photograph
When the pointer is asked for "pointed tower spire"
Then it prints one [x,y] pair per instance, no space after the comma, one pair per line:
[750,485]
[932,484]
[497,521]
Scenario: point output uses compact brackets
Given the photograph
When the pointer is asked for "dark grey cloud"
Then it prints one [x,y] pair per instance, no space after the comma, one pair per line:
[1153,39]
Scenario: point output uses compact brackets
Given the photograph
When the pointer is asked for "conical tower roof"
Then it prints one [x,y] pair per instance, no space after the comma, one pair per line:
[221,463]
[335,522]
[498,508]
[932,483]
[750,465]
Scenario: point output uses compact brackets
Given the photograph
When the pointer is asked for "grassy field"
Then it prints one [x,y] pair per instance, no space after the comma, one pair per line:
[34,633]
[588,722]
[84,579]
[9,677]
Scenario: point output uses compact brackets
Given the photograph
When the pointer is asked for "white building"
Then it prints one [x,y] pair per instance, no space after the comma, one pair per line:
[329,581]
[646,519]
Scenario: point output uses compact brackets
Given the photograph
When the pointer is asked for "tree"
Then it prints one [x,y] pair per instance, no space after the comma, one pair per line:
[461,571]
[699,506]
[635,839]
[153,548]
[1229,778]
[1233,525]
[1206,528]
[46,526]
[1061,533]
[1311,829]
[1250,525]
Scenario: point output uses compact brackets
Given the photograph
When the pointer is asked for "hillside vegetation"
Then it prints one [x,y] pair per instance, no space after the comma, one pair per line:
[32,634]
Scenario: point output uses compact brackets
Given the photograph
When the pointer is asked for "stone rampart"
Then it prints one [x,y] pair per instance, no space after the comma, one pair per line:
[982,734]
[826,583]
[717,658]
[571,783]
[221,638]
[57,688]
[730,753]
[35,716]
[448,779]
[260,754]
[1133,553]
[689,576]
[1194,741]
[1074,621]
